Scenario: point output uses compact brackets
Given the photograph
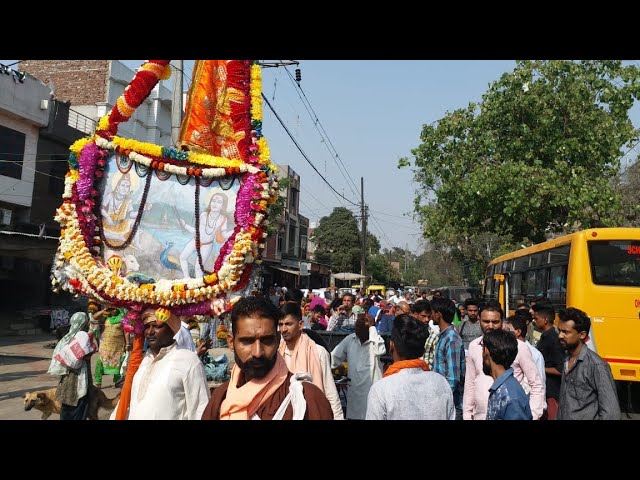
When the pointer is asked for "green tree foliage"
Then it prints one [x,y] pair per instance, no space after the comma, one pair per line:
[373,244]
[337,240]
[629,188]
[379,270]
[537,155]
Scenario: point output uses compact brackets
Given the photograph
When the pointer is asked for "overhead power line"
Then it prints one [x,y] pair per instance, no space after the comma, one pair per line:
[304,154]
[323,133]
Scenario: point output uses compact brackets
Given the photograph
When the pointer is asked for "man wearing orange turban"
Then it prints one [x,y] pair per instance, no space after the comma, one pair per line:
[170,383]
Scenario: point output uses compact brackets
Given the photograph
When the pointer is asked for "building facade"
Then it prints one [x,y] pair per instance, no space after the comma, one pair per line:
[44,108]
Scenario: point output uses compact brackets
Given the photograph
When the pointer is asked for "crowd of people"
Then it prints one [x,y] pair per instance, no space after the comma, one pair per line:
[442,362]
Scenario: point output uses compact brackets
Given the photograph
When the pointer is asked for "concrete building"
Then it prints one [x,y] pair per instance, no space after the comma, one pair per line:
[93,86]
[286,260]
[46,105]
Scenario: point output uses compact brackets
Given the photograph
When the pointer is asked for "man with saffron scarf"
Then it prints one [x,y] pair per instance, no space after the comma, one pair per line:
[261,387]
[170,383]
[302,354]
[409,391]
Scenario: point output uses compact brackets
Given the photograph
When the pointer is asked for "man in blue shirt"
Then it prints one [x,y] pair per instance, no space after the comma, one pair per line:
[507,400]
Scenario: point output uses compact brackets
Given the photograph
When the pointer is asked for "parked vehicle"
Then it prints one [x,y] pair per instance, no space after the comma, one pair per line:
[373,288]
[459,293]
[326,293]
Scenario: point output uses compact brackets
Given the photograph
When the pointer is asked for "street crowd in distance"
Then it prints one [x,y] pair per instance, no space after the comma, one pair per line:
[414,356]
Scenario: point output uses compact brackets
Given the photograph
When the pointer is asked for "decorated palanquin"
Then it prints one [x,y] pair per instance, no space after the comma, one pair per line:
[177,229]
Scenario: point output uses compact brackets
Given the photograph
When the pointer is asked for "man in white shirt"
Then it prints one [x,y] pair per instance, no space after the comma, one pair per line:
[170,383]
[183,336]
[409,391]
[362,350]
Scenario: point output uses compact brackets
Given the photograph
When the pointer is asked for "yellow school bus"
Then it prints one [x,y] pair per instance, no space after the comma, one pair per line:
[595,270]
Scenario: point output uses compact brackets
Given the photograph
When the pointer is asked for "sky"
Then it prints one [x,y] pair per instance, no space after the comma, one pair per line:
[370,113]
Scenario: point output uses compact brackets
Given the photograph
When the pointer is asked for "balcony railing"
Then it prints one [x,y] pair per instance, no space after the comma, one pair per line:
[81,122]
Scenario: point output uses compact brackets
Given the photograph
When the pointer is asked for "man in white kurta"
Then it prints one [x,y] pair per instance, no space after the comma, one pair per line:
[183,337]
[170,383]
[362,351]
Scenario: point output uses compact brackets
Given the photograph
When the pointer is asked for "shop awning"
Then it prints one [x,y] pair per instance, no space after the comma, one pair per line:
[286,270]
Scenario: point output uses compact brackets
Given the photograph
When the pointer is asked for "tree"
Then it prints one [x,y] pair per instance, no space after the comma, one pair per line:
[535,157]
[373,244]
[338,241]
[629,188]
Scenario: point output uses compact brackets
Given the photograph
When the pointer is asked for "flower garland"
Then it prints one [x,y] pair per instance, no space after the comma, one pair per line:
[160,158]
[147,77]
[79,244]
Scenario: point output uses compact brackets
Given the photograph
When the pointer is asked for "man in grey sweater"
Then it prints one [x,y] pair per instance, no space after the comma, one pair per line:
[409,391]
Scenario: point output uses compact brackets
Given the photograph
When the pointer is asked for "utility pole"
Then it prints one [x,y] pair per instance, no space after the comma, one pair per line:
[176,104]
[405,257]
[363,213]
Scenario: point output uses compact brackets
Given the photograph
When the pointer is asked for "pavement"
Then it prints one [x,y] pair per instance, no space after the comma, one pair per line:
[24,361]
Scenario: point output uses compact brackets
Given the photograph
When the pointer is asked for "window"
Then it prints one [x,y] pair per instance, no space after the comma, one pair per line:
[293,244]
[537,259]
[557,292]
[57,171]
[488,288]
[515,289]
[615,262]
[11,152]
[280,243]
[560,254]
[521,263]
[293,206]
[541,282]
[531,283]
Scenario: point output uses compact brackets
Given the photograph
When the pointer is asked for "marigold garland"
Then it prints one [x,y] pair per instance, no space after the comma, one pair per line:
[77,267]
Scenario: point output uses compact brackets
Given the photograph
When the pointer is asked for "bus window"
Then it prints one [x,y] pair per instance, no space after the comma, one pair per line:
[492,289]
[521,263]
[515,290]
[541,282]
[531,284]
[537,259]
[559,255]
[557,292]
[615,262]
[509,266]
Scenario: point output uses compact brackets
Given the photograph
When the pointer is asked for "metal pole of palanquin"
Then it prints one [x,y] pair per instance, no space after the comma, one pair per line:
[176,104]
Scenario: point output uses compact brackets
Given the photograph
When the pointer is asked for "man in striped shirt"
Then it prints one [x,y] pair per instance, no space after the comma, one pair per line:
[449,359]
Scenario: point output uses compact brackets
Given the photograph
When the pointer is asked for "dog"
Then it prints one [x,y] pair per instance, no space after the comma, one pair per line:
[43,400]
[47,403]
